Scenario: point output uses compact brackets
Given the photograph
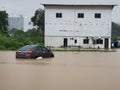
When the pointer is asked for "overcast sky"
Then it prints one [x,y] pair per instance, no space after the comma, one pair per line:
[28,7]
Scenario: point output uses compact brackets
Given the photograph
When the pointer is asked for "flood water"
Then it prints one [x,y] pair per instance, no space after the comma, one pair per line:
[66,71]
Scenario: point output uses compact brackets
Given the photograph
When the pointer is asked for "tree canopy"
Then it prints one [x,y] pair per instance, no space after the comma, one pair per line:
[115,31]
[38,19]
[3,22]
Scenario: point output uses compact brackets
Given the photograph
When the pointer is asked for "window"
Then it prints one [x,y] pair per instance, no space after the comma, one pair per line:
[38,48]
[97,15]
[80,15]
[86,41]
[75,41]
[71,38]
[58,15]
[45,49]
[99,41]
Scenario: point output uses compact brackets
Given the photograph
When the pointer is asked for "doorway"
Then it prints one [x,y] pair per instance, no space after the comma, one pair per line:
[106,43]
[65,42]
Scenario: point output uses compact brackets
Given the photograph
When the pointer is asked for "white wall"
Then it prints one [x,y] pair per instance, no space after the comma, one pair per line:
[56,29]
[87,26]
[58,42]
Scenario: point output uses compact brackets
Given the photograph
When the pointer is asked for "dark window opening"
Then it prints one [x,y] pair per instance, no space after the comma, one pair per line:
[58,15]
[86,41]
[45,49]
[99,41]
[97,15]
[75,40]
[71,38]
[80,15]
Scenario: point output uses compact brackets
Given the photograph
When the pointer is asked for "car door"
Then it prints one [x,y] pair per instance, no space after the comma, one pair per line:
[45,52]
[38,51]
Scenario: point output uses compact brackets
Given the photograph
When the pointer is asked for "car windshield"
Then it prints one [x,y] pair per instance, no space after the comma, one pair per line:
[25,48]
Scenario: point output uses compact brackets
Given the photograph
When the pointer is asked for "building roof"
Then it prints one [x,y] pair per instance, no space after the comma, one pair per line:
[70,4]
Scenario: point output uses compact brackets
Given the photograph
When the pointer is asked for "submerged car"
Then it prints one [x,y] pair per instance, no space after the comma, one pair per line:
[33,51]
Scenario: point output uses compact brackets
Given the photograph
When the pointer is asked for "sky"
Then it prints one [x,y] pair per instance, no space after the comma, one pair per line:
[27,8]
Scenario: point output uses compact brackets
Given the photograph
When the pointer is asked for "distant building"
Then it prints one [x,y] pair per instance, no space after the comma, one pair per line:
[16,22]
[87,26]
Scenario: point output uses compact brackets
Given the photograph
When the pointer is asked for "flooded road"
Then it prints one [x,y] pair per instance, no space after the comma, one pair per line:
[66,71]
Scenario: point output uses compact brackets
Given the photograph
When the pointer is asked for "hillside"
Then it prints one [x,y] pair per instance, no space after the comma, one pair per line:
[115,31]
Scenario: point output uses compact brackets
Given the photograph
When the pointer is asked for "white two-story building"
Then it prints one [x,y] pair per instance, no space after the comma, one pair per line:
[87,26]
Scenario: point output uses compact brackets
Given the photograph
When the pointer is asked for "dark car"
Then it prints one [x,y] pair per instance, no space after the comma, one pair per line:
[33,51]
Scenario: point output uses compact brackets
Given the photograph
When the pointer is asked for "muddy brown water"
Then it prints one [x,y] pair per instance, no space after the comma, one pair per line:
[66,71]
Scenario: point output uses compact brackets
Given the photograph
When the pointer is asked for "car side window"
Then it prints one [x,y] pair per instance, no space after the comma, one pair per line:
[38,48]
[45,49]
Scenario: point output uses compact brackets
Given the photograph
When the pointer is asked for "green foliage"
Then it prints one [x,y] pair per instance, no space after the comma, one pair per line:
[35,35]
[3,22]
[15,33]
[14,39]
[38,19]
[19,38]
[115,31]
[7,43]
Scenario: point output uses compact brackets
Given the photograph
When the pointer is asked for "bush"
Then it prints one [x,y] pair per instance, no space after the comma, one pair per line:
[19,38]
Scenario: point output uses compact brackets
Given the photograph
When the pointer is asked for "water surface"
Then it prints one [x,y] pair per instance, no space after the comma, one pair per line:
[66,71]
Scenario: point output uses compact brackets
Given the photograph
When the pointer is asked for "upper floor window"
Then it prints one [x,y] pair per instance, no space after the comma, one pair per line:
[80,15]
[97,15]
[58,15]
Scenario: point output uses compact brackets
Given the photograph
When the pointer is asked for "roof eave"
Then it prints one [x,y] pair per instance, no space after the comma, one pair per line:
[79,4]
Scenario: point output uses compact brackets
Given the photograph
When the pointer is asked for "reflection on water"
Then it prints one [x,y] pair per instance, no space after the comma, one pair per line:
[66,71]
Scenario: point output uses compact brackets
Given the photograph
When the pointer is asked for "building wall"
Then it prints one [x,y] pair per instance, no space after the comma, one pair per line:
[59,42]
[72,26]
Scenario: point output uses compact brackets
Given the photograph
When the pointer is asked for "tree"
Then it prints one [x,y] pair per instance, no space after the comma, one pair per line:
[3,22]
[16,33]
[38,19]
[115,31]
[35,35]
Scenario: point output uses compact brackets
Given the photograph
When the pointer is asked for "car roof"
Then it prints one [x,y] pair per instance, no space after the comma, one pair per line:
[29,47]
[35,45]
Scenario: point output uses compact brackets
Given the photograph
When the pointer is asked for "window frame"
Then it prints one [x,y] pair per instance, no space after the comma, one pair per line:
[85,41]
[99,41]
[75,41]
[80,15]
[44,49]
[58,15]
[97,15]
